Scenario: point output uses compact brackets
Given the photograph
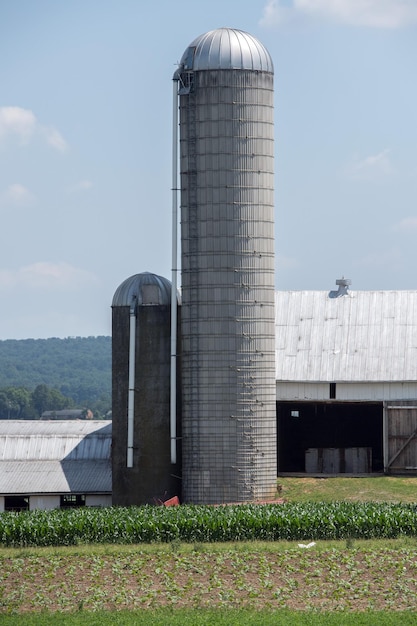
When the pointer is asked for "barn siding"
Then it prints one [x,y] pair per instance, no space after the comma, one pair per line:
[98,500]
[43,502]
[354,392]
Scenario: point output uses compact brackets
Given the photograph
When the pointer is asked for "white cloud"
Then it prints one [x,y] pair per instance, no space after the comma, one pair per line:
[370,13]
[374,167]
[407,224]
[55,139]
[17,195]
[23,124]
[46,275]
[17,121]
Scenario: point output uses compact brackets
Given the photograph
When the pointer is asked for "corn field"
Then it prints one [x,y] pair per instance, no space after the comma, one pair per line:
[187,523]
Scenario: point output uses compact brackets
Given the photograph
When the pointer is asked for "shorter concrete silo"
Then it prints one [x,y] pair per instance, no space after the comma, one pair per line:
[141,344]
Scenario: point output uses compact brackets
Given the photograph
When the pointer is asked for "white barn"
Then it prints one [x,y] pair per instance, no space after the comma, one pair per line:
[346,381]
[54,464]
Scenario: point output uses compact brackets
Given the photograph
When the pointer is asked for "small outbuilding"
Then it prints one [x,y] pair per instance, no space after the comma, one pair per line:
[68,414]
[54,464]
[346,381]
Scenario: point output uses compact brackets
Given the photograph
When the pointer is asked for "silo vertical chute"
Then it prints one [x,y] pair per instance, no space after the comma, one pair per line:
[131,391]
[174,323]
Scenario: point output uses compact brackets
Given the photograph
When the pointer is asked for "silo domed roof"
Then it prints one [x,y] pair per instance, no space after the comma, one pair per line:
[146,287]
[226,48]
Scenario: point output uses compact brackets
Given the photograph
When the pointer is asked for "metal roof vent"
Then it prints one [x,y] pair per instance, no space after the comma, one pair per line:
[343,288]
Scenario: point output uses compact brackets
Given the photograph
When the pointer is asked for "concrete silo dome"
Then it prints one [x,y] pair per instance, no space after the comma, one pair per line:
[226,49]
[147,288]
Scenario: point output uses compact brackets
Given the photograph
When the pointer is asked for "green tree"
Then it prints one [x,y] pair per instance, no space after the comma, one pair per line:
[46,399]
[40,398]
[21,400]
[16,403]
[4,406]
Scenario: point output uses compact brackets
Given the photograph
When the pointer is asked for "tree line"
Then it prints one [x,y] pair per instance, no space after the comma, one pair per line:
[38,375]
[21,403]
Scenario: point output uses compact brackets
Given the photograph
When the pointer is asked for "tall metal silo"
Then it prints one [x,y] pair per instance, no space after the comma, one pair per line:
[225,91]
[142,465]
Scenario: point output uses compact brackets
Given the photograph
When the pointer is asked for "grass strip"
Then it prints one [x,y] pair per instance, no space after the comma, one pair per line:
[190,617]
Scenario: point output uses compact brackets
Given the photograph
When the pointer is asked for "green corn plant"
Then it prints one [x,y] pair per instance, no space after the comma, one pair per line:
[200,524]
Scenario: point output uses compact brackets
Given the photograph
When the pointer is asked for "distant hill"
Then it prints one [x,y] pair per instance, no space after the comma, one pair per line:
[79,367]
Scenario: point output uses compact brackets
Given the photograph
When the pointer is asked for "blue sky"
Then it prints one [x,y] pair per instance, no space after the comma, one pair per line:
[85,147]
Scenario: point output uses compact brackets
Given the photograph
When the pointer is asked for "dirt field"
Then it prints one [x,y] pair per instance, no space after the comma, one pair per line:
[298,578]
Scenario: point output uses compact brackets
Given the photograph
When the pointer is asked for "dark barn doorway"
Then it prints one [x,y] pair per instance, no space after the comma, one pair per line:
[308,428]
[16,503]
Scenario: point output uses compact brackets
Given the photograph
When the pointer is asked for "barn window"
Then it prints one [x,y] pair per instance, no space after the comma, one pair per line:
[72,500]
[332,391]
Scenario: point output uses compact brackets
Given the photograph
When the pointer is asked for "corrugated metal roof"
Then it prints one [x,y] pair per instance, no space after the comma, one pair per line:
[78,428]
[226,48]
[361,337]
[55,457]
[55,477]
[22,440]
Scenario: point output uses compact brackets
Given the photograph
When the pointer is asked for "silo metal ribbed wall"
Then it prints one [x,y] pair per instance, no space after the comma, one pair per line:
[227,239]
